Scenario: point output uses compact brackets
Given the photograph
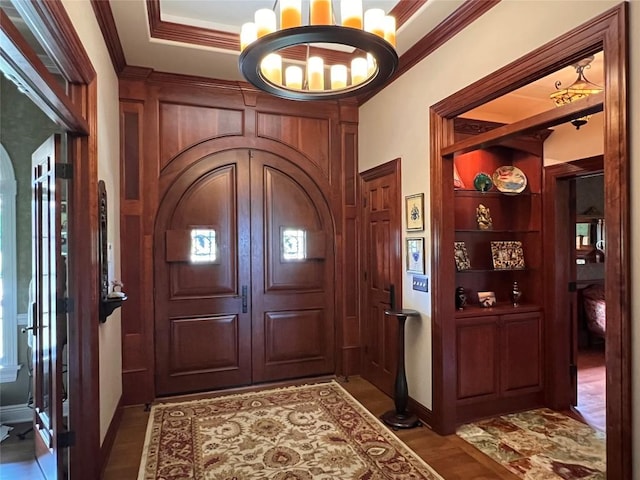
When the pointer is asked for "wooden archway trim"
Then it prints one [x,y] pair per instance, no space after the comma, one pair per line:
[607,32]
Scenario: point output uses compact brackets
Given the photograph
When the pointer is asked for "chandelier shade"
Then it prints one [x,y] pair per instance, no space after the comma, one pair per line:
[580,88]
[370,38]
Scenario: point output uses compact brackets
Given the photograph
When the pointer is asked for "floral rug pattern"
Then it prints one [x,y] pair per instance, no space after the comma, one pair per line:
[540,445]
[294,433]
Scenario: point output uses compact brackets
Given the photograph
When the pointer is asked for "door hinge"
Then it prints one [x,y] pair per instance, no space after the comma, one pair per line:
[64,305]
[64,171]
[573,370]
[365,276]
[364,202]
[66,439]
[573,287]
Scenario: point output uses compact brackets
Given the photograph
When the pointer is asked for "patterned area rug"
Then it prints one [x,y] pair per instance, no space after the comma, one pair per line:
[540,445]
[294,433]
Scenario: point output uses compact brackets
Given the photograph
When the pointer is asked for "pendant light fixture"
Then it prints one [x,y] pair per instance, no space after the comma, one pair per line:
[581,88]
[370,38]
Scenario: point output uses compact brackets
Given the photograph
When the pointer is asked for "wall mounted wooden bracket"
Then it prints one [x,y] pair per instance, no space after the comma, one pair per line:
[108,302]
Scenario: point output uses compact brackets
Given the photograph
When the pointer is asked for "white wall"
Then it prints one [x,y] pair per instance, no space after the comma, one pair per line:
[395,123]
[566,143]
[86,25]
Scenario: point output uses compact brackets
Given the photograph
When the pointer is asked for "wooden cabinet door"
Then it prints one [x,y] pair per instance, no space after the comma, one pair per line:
[521,356]
[244,275]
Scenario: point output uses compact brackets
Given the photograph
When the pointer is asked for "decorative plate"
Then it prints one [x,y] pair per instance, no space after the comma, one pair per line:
[482,182]
[509,179]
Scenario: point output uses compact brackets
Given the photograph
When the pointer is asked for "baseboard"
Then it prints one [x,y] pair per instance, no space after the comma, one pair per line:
[16,413]
[421,411]
[110,437]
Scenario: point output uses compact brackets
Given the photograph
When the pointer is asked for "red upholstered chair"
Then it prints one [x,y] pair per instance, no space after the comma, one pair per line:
[595,309]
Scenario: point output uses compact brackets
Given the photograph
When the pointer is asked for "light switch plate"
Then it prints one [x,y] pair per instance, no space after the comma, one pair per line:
[421,283]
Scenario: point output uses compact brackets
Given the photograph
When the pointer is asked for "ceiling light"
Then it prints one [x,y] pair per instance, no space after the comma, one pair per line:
[370,38]
[581,88]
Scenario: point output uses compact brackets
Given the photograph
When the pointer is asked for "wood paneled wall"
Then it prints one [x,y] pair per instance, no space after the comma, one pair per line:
[167,122]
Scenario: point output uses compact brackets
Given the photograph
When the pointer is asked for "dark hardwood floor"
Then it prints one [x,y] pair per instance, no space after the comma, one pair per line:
[591,387]
[452,457]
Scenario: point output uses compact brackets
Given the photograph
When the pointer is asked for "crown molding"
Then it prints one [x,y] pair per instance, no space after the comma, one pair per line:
[107,24]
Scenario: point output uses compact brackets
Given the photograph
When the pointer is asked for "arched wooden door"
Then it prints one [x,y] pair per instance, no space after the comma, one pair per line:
[244,275]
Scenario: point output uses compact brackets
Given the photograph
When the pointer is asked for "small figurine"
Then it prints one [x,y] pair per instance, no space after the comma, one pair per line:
[461,298]
[483,217]
[516,294]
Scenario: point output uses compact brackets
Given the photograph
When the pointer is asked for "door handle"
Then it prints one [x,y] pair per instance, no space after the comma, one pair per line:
[392,296]
[244,299]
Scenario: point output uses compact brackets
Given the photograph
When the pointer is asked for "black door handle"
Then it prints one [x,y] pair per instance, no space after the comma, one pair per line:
[244,299]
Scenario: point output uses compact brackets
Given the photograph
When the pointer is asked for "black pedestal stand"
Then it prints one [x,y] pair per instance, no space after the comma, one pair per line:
[400,417]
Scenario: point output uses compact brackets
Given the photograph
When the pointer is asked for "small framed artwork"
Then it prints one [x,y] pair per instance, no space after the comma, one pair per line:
[487,299]
[414,205]
[507,255]
[415,255]
[461,256]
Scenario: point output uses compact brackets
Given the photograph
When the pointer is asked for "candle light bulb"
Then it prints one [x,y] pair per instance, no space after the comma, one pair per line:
[271,67]
[320,12]
[374,21]
[389,25]
[358,70]
[248,34]
[290,13]
[351,13]
[315,73]
[265,21]
[293,77]
[338,77]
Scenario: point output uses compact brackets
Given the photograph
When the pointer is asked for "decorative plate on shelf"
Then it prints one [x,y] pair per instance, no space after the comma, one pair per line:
[482,182]
[509,179]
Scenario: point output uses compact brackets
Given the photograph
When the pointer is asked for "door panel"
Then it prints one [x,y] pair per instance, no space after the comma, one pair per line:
[49,325]
[383,270]
[255,302]
[293,271]
[203,337]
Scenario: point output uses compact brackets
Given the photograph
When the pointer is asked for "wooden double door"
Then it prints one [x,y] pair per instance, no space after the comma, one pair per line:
[244,275]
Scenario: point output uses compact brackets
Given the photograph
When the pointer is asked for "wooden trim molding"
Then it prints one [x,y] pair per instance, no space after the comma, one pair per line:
[468,13]
[57,35]
[606,32]
[110,437]
[76,112]
[31,76]
[107,24]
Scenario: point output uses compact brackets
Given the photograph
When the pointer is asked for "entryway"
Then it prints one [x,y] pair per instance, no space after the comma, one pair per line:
[244,275]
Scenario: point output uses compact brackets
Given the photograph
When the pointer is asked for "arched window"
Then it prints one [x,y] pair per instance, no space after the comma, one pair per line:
[8,282]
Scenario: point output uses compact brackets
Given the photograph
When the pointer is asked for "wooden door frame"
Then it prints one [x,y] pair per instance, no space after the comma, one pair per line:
[75,112]
[607,32]
[558,228]
[392,167]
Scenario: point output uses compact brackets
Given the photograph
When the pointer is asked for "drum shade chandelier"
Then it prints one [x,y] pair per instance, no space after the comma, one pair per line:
[581,88]
[370,37]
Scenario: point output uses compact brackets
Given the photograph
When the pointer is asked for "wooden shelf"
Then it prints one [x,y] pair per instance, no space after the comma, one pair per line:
[492,193]
[501,308]
[484,232]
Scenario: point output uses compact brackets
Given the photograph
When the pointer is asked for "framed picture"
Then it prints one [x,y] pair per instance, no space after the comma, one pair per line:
[415,255]
[487,299]
[507,255]
[461,256]
[414,205]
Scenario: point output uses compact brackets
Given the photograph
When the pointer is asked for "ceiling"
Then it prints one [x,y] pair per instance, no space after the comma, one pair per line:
[197,37]
[200,38]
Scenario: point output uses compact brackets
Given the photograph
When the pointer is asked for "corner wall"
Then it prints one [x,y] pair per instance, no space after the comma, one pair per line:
[86,26]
